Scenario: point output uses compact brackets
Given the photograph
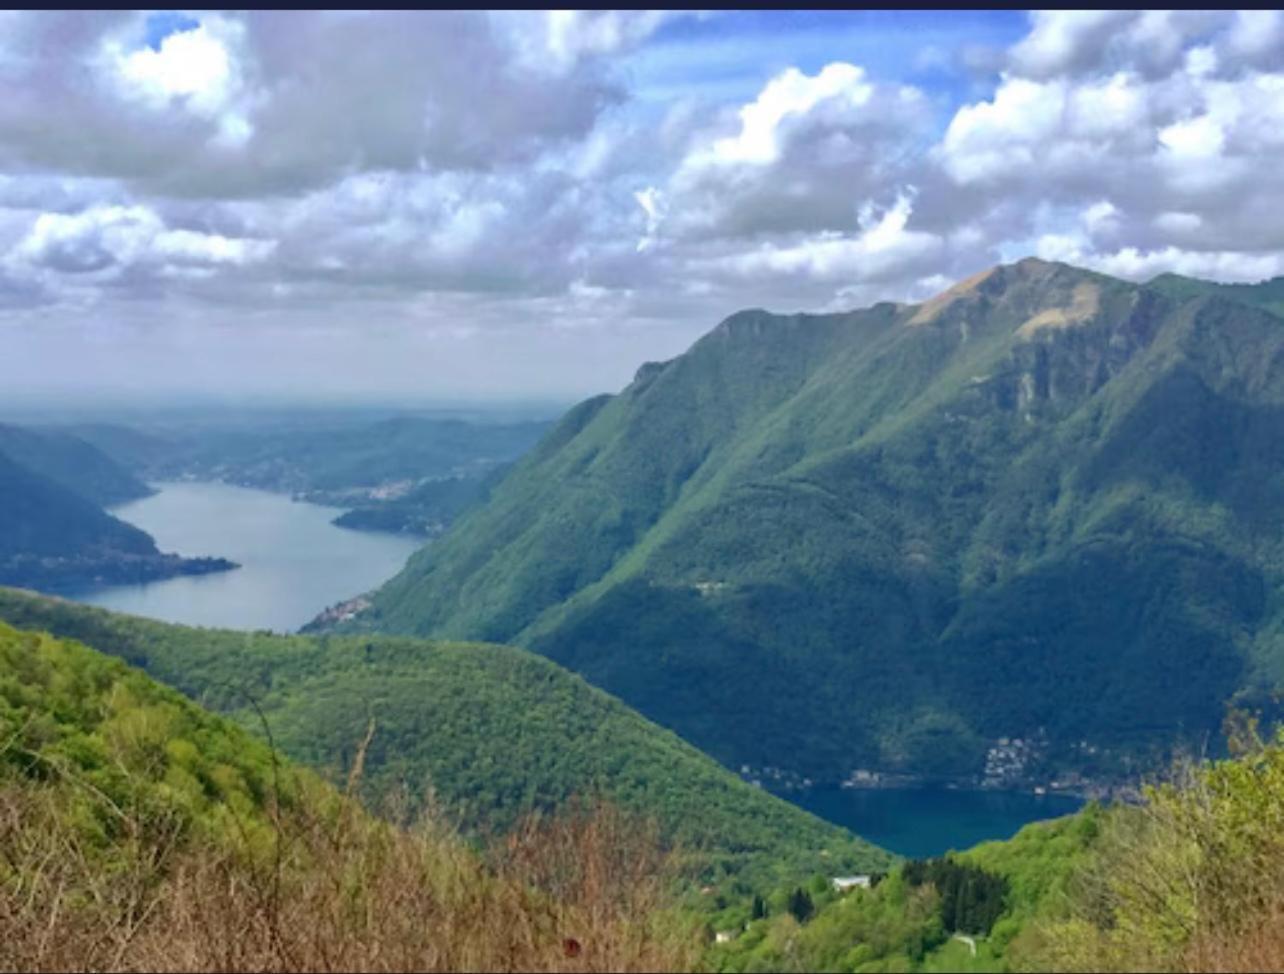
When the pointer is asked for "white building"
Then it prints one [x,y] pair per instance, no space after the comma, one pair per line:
[843,883]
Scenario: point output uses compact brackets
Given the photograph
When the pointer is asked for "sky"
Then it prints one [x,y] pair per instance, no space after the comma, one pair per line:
[402,206]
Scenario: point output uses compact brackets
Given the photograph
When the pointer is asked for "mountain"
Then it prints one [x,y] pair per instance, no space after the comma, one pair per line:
[1024,532]
[138,451]
[142,833]
[73,463]
[493,731]
[334,461]
[407,474]
[1267,294]
[52,538]
[427,509]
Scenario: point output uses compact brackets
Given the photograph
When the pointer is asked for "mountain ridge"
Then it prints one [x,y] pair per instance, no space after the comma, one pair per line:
[853,509]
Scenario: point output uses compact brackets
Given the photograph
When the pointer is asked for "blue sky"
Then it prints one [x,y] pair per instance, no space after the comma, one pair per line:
[163,23]
[737,52]
[431,204]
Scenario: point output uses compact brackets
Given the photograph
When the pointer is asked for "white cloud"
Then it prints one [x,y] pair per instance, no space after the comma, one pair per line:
[109,240]
[196,70]
[883,248]
[1257,36]
[1142,265]
[193,65]
[385,170]
[651,200]
[1199,139]
[1059,39]
[1173,222]
[988,140]
[571,34]
[791,93]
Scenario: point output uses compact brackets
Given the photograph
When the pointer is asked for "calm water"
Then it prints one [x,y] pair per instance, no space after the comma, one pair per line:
[294,562]
[923,822]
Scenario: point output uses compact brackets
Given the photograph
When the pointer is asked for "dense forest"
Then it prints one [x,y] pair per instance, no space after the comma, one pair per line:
[1041,507]
[488,733]
[56,539]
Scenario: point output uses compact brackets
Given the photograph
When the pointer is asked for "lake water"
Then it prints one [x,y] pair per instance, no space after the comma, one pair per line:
[925,822]
[294,562]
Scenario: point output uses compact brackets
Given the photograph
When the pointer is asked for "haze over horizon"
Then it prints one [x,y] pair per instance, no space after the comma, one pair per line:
[354,207]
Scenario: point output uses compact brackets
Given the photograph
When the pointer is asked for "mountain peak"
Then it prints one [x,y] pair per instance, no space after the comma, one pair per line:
[964,290]
[1054,293]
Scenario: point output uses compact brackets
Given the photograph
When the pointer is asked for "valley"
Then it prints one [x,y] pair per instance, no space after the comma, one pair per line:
[851,607]
[695,491]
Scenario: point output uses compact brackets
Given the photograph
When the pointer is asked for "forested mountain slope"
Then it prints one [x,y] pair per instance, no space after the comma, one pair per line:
[493,732]
[72,463]
[1041,506]
[55,539]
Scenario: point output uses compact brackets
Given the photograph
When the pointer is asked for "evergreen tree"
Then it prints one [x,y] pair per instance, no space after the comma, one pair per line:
[801,905]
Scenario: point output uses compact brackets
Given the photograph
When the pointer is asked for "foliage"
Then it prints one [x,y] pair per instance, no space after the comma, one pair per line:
[139,833]
[888,538]
[492,732]
[1192,879]
[801,905]
[911,919]
[971,898]
[53,534]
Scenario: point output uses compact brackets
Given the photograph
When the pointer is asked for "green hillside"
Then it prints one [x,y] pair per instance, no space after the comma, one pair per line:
[54,539]
[494,732]
[71,462]
[142,833]
[997,895]
[427,509]
[1042,506]
[1266,294]
[72,715]
[44,519]
[1188,879]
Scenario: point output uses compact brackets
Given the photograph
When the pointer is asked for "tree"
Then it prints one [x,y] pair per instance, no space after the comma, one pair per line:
[801,905]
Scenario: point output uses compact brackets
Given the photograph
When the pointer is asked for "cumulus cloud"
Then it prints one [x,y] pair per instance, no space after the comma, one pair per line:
[460,174]
[267,103]
[77,259]
[882,248]
[802,157]
[1159,120]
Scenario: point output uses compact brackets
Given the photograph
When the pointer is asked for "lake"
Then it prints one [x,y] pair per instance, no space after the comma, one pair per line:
[925,822]
[294,562]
